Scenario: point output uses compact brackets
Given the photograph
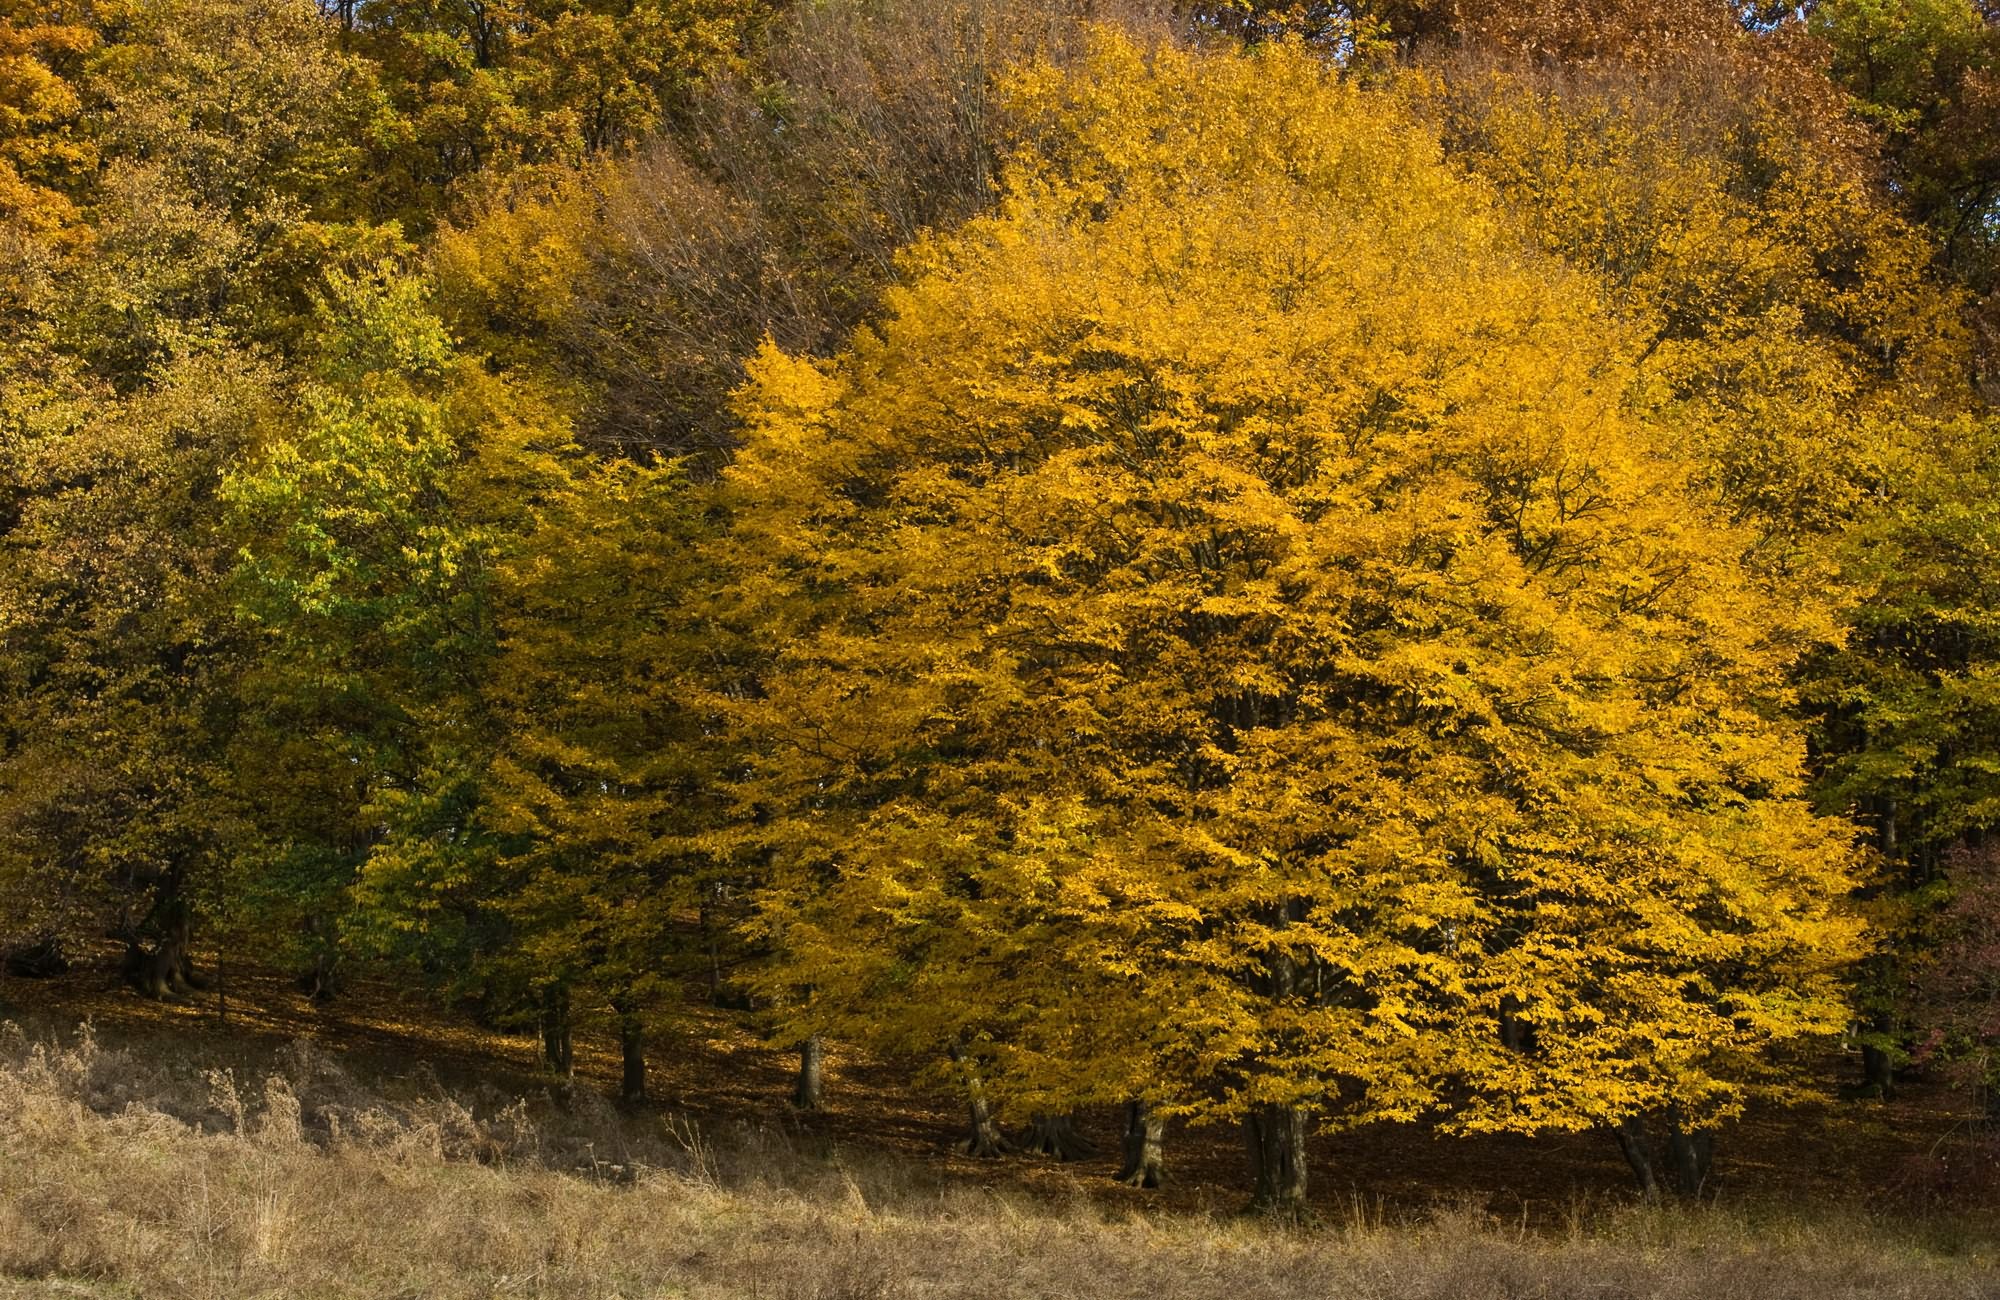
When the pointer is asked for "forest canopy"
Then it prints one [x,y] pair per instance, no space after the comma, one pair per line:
[1275,564]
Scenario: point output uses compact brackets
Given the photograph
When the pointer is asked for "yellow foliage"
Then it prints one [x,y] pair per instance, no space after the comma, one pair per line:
[1232,633]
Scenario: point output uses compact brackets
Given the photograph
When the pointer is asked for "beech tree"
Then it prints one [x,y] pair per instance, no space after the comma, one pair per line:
[1234,637]
[119,659]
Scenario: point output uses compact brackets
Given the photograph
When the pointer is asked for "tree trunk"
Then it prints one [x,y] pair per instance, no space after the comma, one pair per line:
[558,1047]
[1631,1135]
[1276,1138]
[1144,1164]
[632,1051]
[1878,1063]
[1056,1136]
[320,982]
[1692,1155]
[167,968]
[714,944]
[1516,1035]
[808,1093]
[984,1139]
[1878,1073]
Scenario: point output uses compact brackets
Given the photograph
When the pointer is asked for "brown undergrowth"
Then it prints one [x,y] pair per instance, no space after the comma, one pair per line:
[163,1153]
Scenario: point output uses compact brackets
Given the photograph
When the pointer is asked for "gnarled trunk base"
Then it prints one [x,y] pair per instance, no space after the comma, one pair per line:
[165,969]
[1145,1163]
[1057,1137]
[984,1140]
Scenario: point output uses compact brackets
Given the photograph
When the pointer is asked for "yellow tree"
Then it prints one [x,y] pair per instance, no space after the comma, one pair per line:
[604,767]
[1814,366]
[1233,643]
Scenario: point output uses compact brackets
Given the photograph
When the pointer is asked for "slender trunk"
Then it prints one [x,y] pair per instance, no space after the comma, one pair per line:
[558,1047]
[1631,1135]
[714,957]
[1144,1164]
[1056,1136]
[632,1051]
[808,1093]
[1878,1063]
[1276,1138]
[983,1139]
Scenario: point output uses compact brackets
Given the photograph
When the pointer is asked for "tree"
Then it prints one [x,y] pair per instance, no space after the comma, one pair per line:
[1926,74]
[116,814]
[364,580]
[1219,669]
[1957,1003]
[42,155]
[478,86]
[779,208]
[1812,363]
[603,777]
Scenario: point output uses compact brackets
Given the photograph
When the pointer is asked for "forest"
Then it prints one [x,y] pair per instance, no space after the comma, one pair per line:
[1269,567]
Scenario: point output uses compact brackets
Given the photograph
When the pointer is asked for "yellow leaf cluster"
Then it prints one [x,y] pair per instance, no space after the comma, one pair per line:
[1235,629]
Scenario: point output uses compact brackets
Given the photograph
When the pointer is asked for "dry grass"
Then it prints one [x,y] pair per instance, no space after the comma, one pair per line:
[155,1174]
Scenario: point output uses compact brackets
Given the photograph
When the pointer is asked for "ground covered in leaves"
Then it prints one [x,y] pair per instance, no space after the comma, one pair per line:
[372,1145]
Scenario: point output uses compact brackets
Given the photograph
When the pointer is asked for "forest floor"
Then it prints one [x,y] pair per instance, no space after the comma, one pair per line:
[374,1071]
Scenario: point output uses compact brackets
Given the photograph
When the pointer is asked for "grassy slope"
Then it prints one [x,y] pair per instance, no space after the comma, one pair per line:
[410,1165]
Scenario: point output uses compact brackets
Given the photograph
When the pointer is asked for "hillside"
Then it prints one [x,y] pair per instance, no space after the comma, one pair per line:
[1337,646]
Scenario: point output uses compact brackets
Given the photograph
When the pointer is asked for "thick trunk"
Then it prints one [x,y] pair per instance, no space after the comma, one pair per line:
[558,1048]
[1691,1154]
[632,1052]
[1878,1073]
[1276,1138]
[1631,1135]
[1878,1062]
[166,968]
[1056,1136]
[808,1093]
[1682,1165]
[983,1139]
[1516,1034]
[1144,1164]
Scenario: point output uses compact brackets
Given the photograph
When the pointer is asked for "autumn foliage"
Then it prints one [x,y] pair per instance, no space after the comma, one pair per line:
[1289,565]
